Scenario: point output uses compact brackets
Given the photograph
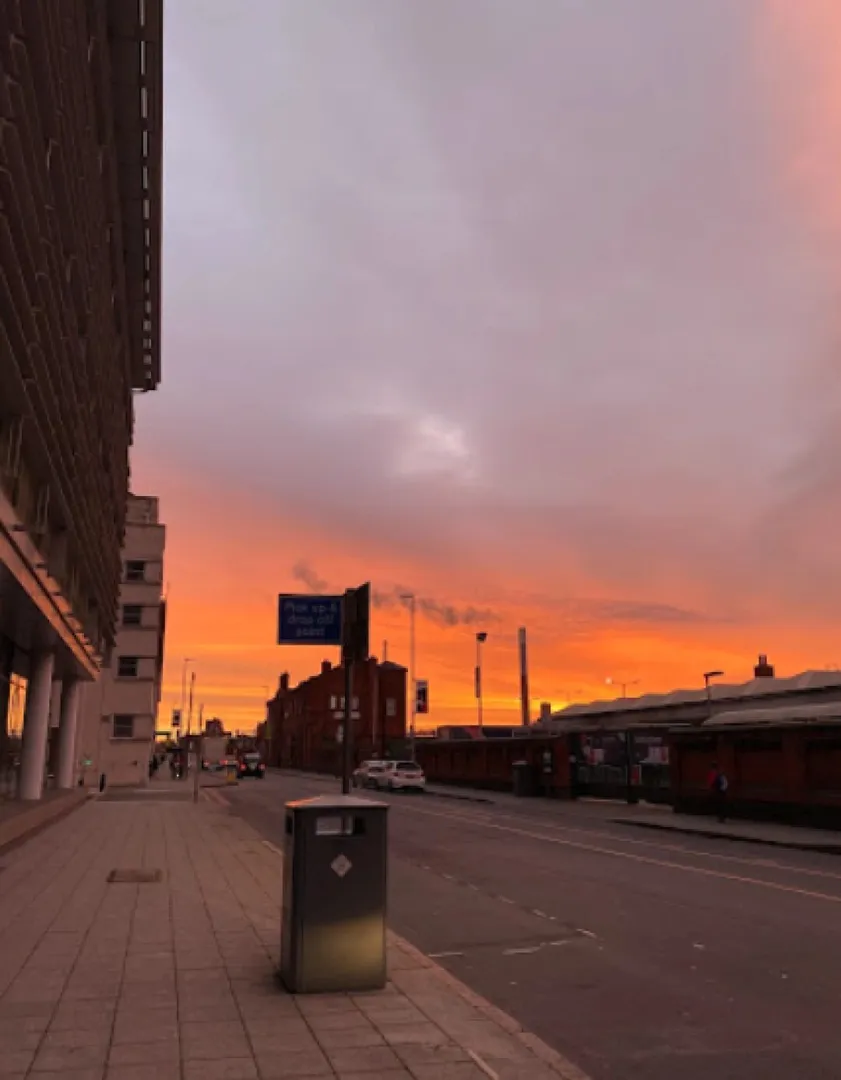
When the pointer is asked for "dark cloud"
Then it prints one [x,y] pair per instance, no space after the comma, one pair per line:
[303,572]
[443,614]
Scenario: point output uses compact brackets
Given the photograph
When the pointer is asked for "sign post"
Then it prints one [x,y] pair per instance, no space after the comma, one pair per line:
[355,636]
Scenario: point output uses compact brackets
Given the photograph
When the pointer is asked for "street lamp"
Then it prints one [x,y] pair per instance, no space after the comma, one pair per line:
[708,676]
[609,681]
[410,599]
[481,638]
[187,660]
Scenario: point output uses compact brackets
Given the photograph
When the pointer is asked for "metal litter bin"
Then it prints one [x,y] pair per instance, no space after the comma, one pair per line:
[334,895]
[525,784]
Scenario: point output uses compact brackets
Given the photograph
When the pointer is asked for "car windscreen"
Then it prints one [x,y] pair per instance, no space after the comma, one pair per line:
[408,765]
[251,758]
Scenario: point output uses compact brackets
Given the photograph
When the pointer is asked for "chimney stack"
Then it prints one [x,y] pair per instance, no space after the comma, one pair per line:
[284,682]
[763,669]
[326,666]
[546,710]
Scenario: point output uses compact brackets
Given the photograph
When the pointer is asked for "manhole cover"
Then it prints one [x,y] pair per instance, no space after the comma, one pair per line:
[134,877]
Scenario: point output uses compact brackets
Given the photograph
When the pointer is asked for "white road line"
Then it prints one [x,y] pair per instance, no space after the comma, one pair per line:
[448,877]
[273,847]
[540,914]
[585,933]
[657,845]
[522,952]
[443,955]
[505,900]
[629,856]
[483,1065]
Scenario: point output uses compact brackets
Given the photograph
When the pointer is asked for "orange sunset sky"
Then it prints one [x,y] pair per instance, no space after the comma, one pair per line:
[536,317]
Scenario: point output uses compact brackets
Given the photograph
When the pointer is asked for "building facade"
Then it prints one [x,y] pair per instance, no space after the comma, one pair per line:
[303,722]
[80,224]
[119,712]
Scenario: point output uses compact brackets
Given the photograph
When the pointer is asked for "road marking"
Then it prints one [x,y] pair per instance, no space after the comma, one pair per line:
[659,846]
[505,900]
[448,877]
[273,847]
[443,955]
[522,952]
[540,914]
[585,933]
[629,856]
[483,1065]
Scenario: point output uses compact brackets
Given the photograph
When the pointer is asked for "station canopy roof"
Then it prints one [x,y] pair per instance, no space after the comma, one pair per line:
[720,692]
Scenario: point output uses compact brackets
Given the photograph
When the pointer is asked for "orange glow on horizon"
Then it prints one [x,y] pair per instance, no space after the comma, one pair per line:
[222,610]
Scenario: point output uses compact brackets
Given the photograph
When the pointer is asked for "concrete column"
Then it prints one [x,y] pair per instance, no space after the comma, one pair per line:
[36,722]
[70,694]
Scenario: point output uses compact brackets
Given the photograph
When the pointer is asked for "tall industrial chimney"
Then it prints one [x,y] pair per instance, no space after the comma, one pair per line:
[524,678]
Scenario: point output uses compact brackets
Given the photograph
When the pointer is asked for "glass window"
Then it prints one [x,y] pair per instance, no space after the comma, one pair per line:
[132,614]
[128,667]
[135,570]
[123,726]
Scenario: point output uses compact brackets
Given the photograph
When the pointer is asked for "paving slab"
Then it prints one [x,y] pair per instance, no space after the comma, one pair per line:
[167,968]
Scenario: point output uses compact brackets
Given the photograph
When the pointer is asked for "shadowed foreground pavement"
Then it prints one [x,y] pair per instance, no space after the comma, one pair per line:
[167,973]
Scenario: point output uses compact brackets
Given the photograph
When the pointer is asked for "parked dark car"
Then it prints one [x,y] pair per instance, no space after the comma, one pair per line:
[251,765]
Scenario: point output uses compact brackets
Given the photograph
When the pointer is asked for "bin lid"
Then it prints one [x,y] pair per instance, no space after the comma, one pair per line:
[336,802]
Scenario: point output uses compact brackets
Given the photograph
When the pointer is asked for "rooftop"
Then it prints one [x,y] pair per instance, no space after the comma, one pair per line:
[719,692]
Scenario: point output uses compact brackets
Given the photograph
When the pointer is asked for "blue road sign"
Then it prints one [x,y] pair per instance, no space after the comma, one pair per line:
[309,620]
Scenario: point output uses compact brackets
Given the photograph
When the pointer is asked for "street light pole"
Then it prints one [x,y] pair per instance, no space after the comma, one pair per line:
[481,638]
[413,690]
[708,677]
[623,685]
[187,660]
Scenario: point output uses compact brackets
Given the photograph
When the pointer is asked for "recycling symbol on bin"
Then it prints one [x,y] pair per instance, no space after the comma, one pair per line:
[341,865]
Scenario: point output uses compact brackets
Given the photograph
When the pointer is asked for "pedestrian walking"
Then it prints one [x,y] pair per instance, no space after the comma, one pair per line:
[718,785]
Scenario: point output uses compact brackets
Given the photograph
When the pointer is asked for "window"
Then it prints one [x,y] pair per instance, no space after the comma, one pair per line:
[334,701]
[132,614]
[135,570]
[123,726]
[391,706]
[128,667]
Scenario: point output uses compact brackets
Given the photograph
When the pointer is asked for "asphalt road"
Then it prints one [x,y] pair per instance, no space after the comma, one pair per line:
[639,957]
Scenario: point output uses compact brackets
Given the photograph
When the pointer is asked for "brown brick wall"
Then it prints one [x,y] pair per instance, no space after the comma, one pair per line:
[304,719]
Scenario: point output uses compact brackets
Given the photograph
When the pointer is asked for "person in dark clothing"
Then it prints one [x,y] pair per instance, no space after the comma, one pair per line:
[718,785]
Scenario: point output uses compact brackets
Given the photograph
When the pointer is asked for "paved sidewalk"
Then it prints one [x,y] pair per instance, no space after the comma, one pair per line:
[748,832]
[174,977]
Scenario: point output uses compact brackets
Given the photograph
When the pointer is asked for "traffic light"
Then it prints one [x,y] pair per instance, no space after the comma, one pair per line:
[421,696]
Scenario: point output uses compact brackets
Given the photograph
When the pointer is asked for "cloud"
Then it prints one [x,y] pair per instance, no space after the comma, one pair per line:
[541,306]
[303,572]
[436,611]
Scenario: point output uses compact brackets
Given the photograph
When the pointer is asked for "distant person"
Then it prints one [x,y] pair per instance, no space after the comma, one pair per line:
[718,785]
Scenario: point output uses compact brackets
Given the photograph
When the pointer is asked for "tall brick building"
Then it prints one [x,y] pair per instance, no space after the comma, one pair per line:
[80,225]
[303,721]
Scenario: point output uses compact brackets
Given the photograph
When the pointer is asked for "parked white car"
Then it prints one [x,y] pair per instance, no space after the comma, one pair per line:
[400,776]
[366,774]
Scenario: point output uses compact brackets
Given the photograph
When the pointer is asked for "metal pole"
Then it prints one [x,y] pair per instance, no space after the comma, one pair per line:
[412,679]
[479,678]
[190,706]
[199,758]
[347,730]
[375,708]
